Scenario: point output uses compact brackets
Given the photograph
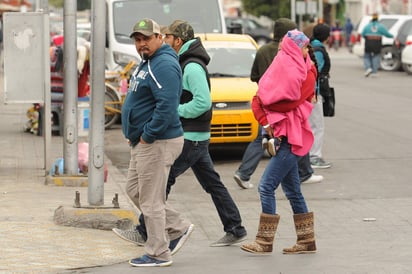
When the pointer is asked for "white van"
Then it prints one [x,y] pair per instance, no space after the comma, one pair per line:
[206,16]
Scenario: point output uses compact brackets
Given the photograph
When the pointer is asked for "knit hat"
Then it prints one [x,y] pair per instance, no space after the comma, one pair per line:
[147,27]
[181,29]
[298,37]
[321,32]
[281,27]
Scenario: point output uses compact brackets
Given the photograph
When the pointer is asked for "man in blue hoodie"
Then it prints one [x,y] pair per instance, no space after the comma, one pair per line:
[151,124]
[195,111]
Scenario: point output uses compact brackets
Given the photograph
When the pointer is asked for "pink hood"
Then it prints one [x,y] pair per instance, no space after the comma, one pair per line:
[283,79]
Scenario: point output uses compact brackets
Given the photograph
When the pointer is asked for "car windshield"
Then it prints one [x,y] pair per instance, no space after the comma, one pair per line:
[126,13]
[230,61]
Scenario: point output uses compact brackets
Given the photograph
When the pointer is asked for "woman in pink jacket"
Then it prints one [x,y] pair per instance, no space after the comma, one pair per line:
[290,80]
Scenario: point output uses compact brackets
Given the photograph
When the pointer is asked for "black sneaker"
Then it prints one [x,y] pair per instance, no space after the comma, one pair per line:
[318,162]
[176,244]
[228,239]
[146,260]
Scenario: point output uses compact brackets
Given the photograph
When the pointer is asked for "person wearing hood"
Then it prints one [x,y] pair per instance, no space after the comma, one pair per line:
[151,125]
[195,111]
[318,40]
[254,151]
[291,77]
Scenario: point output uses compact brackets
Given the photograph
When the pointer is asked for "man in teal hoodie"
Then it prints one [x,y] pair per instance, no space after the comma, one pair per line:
[151,124]
[373,33]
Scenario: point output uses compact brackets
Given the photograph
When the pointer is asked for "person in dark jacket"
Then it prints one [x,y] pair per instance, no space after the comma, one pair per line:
[151,124]
[373,33]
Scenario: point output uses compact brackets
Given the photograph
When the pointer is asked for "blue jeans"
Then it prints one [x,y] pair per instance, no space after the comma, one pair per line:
[254,153]
[371,61]
[282,169]
[195,155]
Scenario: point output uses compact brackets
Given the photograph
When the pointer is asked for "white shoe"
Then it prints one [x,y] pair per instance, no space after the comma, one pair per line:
[313,179]
[368,72]
[243,184]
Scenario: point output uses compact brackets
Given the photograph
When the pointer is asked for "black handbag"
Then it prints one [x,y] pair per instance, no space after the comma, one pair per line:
[329,103]
[324,84]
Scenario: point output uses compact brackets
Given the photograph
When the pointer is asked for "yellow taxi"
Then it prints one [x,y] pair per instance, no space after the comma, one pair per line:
[232,90]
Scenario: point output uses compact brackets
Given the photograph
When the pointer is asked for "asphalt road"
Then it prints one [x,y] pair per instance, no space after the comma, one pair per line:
[369,143]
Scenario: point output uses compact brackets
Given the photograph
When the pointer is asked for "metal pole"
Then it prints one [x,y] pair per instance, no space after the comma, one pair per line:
[45,5]
[70,150]
[96,135]
[47,96]
[410,7]
[320,10]
[293,10]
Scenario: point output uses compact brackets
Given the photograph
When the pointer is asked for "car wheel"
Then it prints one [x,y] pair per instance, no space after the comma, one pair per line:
[390,60]
[407,68]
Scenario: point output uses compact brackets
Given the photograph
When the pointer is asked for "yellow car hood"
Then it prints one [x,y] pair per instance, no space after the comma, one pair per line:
[233,89]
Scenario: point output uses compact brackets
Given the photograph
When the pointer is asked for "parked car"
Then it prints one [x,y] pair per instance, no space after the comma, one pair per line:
[261,34]
[390,61]
[232,90]
[402,39]
[407,56]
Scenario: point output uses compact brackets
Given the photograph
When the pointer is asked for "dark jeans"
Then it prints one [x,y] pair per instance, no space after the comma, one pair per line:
[253,154]
[195,155]
[251,158]
[305,169]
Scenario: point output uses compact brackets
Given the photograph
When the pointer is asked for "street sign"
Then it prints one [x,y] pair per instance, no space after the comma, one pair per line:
[300,8]
[24,52]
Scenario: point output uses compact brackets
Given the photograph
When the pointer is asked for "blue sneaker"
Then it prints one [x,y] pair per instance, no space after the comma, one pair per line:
[146,260]
[176,244]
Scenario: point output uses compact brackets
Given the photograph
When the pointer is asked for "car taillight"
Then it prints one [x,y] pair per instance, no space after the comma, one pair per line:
[408,42]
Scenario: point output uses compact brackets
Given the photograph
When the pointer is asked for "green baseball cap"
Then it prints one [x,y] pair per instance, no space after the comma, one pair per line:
[147,27]
[181,29]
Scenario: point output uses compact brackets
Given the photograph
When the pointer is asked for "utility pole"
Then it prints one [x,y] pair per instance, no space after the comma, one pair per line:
[96,135]
[70,149]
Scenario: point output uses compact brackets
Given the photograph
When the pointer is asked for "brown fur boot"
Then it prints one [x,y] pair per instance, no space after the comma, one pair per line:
[266,234]
[305,235]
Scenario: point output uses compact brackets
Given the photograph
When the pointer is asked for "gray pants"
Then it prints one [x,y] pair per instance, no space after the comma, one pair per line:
[317,124]
[146,185]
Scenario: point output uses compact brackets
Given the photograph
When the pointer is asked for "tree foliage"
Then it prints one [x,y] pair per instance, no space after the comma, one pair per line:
[273,9]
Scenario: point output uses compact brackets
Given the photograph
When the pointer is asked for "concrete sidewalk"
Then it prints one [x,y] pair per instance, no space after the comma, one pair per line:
[29,239]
